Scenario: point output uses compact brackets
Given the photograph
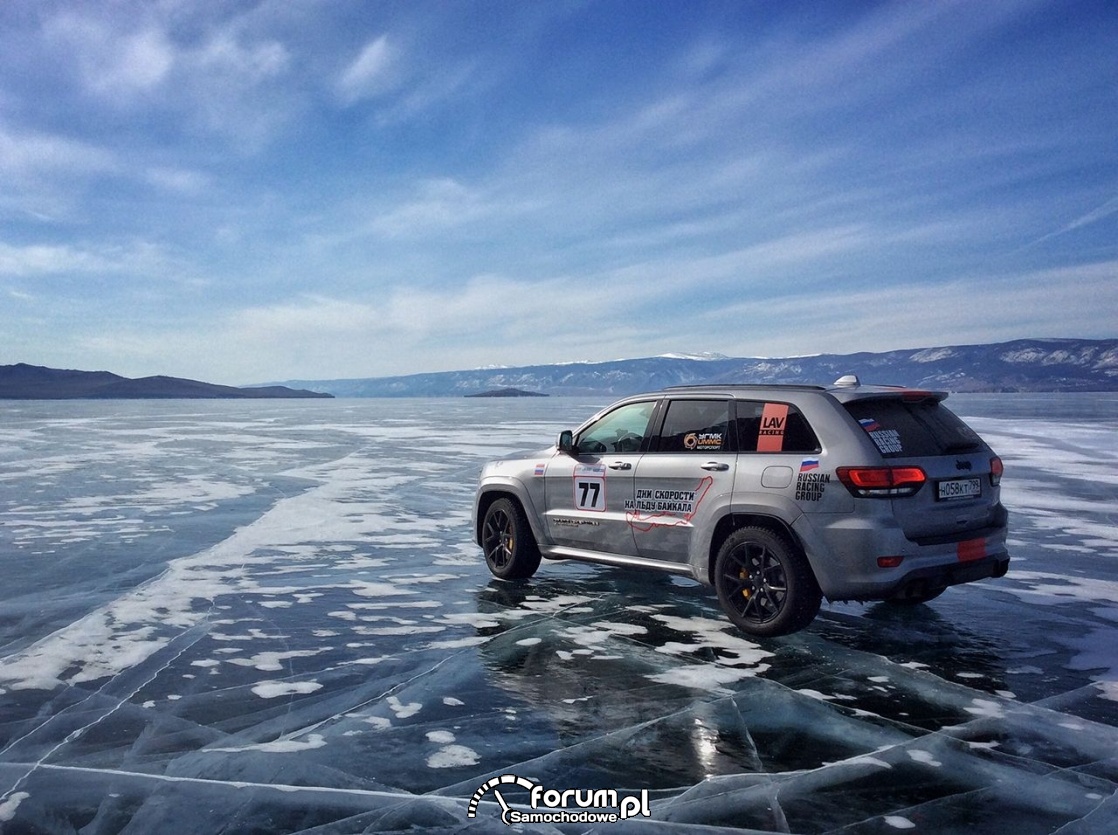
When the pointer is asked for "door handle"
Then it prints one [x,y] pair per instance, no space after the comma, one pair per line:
[716,466]
[621,465]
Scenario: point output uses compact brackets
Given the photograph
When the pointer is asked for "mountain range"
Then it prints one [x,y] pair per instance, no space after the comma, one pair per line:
[1024,365]
[34,382]
[1061,365]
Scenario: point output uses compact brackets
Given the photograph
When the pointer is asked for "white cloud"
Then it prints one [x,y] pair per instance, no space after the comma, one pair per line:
[115,65]
[29,153]
[233,85]
[311,315]
[438,205]
[371,73]
[1102,212]
[179,180]
[23,261]
[137,258]
[1068,301]
[138,62]
[225,55]
[605,316]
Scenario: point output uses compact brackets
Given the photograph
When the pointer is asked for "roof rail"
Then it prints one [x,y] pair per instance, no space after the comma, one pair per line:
[732,386]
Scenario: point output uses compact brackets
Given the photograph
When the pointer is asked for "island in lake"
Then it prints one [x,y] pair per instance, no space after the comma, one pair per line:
[34,382]
[507,392]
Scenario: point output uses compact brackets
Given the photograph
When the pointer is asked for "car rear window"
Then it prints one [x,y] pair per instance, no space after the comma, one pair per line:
[902,429]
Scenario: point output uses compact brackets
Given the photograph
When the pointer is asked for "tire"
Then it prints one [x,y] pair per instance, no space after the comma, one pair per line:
[506,539]
[764,583]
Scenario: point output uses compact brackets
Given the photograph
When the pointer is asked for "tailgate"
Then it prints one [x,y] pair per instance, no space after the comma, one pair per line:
[959,497]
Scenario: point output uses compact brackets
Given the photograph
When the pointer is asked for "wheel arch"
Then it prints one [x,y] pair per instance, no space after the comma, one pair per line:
[489,494]
[734,521]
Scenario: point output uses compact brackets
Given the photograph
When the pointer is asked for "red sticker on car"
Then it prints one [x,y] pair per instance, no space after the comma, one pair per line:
[971,549]
[774,420]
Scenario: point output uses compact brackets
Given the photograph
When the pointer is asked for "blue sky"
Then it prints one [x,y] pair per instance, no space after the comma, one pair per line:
[244,192]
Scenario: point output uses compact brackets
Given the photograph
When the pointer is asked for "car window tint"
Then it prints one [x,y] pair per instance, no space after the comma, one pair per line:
[773,427]
[696,426]
[622,430]
[900,429]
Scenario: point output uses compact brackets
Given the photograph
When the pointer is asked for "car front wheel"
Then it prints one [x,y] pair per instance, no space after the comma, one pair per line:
[506,538]
[765,584]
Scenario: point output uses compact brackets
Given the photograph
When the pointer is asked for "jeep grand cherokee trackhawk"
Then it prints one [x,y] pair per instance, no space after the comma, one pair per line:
[775,495]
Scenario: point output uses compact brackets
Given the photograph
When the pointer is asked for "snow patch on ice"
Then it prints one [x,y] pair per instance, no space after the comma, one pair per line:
[457,643]
[275,689]
[924,757]
[987,708]
[403,711]
[11,804]
[899,822]
[711,634]
[453,756]
[869,760]
[268,662]
[279,746]
[703,676]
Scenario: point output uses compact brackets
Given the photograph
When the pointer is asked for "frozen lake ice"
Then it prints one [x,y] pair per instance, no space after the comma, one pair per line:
[270,617]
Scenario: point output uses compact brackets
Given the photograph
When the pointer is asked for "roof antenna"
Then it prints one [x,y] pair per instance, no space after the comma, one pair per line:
[848,381]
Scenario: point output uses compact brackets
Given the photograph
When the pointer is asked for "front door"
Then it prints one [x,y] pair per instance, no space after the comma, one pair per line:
[684,476]
[587,493]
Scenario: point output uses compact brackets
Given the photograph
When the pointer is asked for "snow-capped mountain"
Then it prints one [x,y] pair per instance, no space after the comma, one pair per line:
[1021,365]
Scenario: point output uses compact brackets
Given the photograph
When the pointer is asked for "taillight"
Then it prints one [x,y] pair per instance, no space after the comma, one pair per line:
[916,396]
[882,482]
[996,470]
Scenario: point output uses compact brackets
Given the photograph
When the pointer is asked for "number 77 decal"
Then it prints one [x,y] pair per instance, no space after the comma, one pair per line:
[590,487]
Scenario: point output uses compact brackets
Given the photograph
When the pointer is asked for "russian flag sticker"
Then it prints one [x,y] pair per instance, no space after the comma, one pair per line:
[809,464]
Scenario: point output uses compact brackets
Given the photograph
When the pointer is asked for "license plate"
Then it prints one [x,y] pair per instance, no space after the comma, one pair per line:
[959,488]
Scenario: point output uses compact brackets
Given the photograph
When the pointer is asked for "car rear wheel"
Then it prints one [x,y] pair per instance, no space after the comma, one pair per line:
[765,584]
[506,538]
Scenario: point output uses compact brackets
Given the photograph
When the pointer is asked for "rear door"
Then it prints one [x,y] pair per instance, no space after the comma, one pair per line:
[959,496]
[688,470]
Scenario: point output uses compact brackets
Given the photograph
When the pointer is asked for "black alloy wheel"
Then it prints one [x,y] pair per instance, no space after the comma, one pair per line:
[765,584]
[506,539]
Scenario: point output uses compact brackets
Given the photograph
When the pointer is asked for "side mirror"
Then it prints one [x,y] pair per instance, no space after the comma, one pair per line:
[566,442]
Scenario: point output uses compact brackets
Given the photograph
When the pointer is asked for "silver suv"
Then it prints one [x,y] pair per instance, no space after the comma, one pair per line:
[775,495]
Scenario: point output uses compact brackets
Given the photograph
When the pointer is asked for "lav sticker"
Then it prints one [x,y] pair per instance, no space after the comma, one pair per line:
[774,420]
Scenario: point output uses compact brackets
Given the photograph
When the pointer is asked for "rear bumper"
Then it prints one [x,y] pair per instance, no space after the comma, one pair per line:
[921,582]
[844,556]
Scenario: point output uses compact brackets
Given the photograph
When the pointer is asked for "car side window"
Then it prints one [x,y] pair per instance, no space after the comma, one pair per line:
[774,427]
[622,430]
[697,426]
